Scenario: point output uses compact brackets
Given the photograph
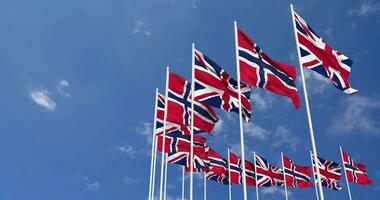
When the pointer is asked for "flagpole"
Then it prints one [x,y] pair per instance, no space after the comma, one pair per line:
[204,186]
[229,175]
[315,184]
[166,175]
[240,112]
[152,160]
[192,122]
[257,185]
[314,148]
[183,183]
[164,133]
[283,171]
[345,175]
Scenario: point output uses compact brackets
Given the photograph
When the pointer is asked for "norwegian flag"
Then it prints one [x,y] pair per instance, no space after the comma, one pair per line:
[355,172]
[175,141]
[179,106]
[170,127]
[259,70]
[181,156]
[317,55]
[296,175]
[267,175]
[329,172]
[215,87]
[236,171]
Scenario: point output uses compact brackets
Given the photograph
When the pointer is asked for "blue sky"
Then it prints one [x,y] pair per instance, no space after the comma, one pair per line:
[78,80]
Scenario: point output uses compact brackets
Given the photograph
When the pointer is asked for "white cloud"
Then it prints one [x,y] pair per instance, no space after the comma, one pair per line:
[41,98]
[274,191]
[366,8]
[141,27]
[127,149]
[145,129]
[328,33]
[315,82]
[218,127]
[255,131]
[355,114]
[262,101]
[283,137]
[91,186]
[130,181]
[61,86]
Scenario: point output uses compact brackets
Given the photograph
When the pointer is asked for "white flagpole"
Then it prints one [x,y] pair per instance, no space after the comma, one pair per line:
[192,122]
[153,157]
[314,148]
[204,186]
[164,133]
[183,183]
[345,175]
[257,185]
[229,176]
[240,112]
[166,175]
[283,170]
[315,184]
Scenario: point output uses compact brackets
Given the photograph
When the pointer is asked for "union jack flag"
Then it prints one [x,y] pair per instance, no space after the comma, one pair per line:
[329,172]
[219,178]
[181,156]
[236,171]
[317,55]
[267,175]
[214,86]
[179,106]
[259,70]
[355,172]
[296,175]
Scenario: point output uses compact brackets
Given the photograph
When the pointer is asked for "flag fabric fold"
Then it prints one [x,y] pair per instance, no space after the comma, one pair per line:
[268,175]
[236,171]
[259,70]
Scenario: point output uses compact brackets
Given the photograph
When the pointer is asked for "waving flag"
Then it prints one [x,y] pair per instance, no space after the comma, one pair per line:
[176,141]
[215,87]
[329,172]
[259,70]
[181,156]
[317,55]
[296,175]
[355,172]
[236,171]
[179,106]
[219,178]
[267,175]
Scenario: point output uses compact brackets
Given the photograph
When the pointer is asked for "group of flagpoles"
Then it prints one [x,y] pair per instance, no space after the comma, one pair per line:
[154,151]
[283,171]
[313,145]
[345,175]
[163,136]
[240,112]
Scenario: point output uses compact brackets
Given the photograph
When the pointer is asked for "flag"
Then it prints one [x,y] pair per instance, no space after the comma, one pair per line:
[317,55]
[329,172]
[215,87]
[296,175]
[259,70]
[355,172]
[179,106]
[267,175]
[181,156]
[236,171]
[175,141]
[219,178]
